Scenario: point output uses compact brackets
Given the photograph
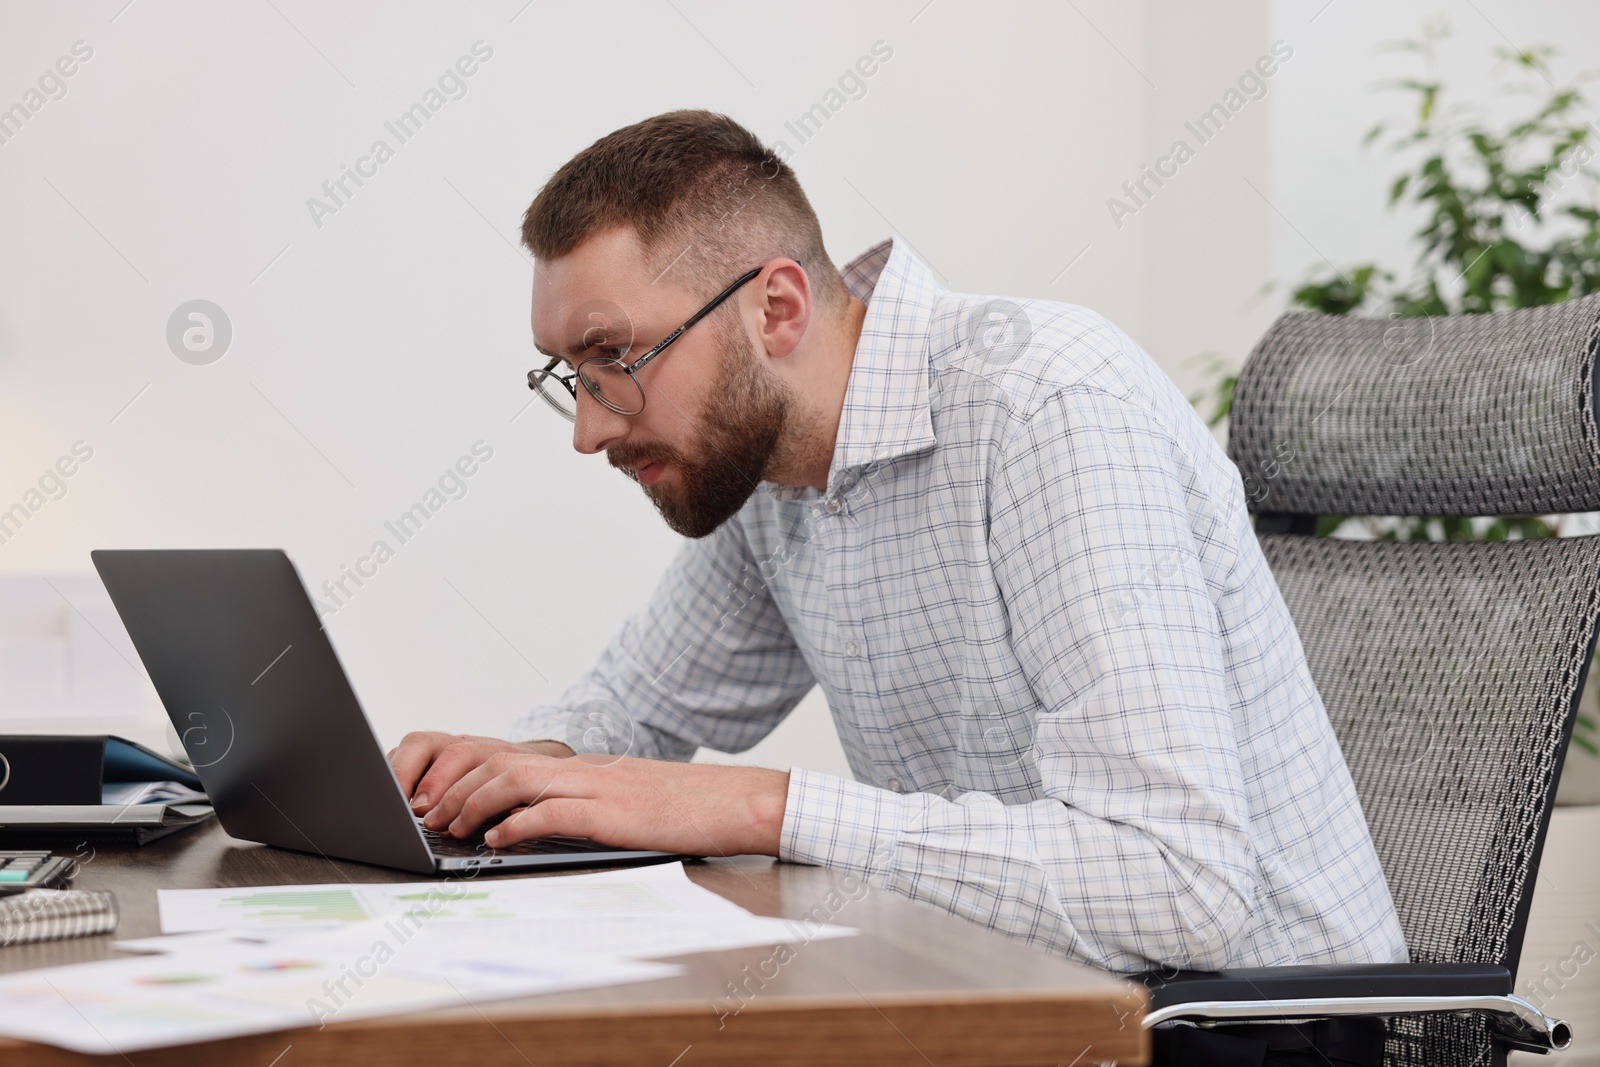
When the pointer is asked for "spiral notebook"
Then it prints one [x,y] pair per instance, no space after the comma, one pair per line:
[54,914]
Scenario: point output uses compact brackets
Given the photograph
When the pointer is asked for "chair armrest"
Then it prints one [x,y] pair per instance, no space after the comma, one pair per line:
[1381,989]
[1322,981]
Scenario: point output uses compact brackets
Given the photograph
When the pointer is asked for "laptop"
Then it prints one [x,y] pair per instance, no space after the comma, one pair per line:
[271,724]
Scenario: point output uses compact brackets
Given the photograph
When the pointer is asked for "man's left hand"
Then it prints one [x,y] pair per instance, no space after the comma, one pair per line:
[693,808]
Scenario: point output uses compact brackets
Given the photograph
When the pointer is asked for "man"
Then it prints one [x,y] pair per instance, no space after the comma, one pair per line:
[995,533]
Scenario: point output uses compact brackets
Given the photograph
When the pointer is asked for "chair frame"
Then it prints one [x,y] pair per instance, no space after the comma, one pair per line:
[1293,994]
[1301,993]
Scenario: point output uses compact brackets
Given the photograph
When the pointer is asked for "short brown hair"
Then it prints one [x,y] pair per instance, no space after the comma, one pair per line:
[704,195]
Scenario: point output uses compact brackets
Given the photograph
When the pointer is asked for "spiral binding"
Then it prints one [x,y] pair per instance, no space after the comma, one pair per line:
[55,914]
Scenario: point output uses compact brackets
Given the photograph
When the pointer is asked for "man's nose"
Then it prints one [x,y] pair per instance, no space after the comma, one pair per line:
[596,427]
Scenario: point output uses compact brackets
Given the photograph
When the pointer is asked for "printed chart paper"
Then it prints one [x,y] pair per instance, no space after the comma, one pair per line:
[640,913]
[215,989]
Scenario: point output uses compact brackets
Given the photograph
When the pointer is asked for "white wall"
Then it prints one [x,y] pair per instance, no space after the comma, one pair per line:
[1331,192]
[372,351]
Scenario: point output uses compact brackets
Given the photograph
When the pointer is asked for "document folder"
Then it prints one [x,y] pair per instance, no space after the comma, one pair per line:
[51,790]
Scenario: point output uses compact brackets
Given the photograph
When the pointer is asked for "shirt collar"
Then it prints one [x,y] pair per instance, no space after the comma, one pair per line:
[886,408]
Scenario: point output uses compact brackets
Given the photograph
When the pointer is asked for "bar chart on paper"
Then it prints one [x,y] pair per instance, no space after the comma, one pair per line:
[267,907]
[641,913]
[478,906]
[640,896]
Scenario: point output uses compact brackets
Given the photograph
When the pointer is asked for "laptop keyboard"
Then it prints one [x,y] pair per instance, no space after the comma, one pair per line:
[442,845]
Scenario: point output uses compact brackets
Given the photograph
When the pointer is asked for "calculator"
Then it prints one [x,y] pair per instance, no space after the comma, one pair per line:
[34,870]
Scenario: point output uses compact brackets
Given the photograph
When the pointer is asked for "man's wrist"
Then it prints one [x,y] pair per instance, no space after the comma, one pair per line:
[546,748]
[776,808]
[766,795]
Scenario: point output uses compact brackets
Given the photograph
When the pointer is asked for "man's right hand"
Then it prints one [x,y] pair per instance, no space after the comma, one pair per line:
[428,762]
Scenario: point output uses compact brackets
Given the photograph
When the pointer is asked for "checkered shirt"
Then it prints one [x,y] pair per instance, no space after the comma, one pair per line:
[1072,697]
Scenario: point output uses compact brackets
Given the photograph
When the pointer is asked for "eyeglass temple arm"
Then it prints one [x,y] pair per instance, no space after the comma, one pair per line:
[547,371]
[697,316]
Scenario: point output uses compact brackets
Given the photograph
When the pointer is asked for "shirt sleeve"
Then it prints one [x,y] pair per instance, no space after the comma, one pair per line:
[1136,853]
[708,660]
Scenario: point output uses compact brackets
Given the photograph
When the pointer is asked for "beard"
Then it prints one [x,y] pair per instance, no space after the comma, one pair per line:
[740,430]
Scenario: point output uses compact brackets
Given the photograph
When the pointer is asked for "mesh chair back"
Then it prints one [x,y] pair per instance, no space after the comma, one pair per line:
[1467,415]
[1450,671]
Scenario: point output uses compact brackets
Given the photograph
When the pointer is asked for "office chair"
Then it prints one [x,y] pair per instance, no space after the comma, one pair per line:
[1450,670]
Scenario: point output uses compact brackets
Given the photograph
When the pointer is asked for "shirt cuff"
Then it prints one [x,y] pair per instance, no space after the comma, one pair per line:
[548,723]
[834,822]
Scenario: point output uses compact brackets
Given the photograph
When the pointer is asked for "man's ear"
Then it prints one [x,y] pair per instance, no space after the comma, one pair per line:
[785,308]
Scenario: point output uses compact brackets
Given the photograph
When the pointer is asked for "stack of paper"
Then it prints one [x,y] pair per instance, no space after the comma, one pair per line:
[247,960]
[147,793]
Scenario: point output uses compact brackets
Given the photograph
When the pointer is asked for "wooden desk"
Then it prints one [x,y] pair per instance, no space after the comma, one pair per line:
[916,987]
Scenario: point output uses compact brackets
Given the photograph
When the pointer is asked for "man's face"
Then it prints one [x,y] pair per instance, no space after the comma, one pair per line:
[713,413]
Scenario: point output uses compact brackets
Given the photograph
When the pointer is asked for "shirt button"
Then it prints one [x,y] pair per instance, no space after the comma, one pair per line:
[897,785]
[852,648]
[833,505]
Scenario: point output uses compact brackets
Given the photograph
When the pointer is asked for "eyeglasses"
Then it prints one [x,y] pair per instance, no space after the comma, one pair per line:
[607,378]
